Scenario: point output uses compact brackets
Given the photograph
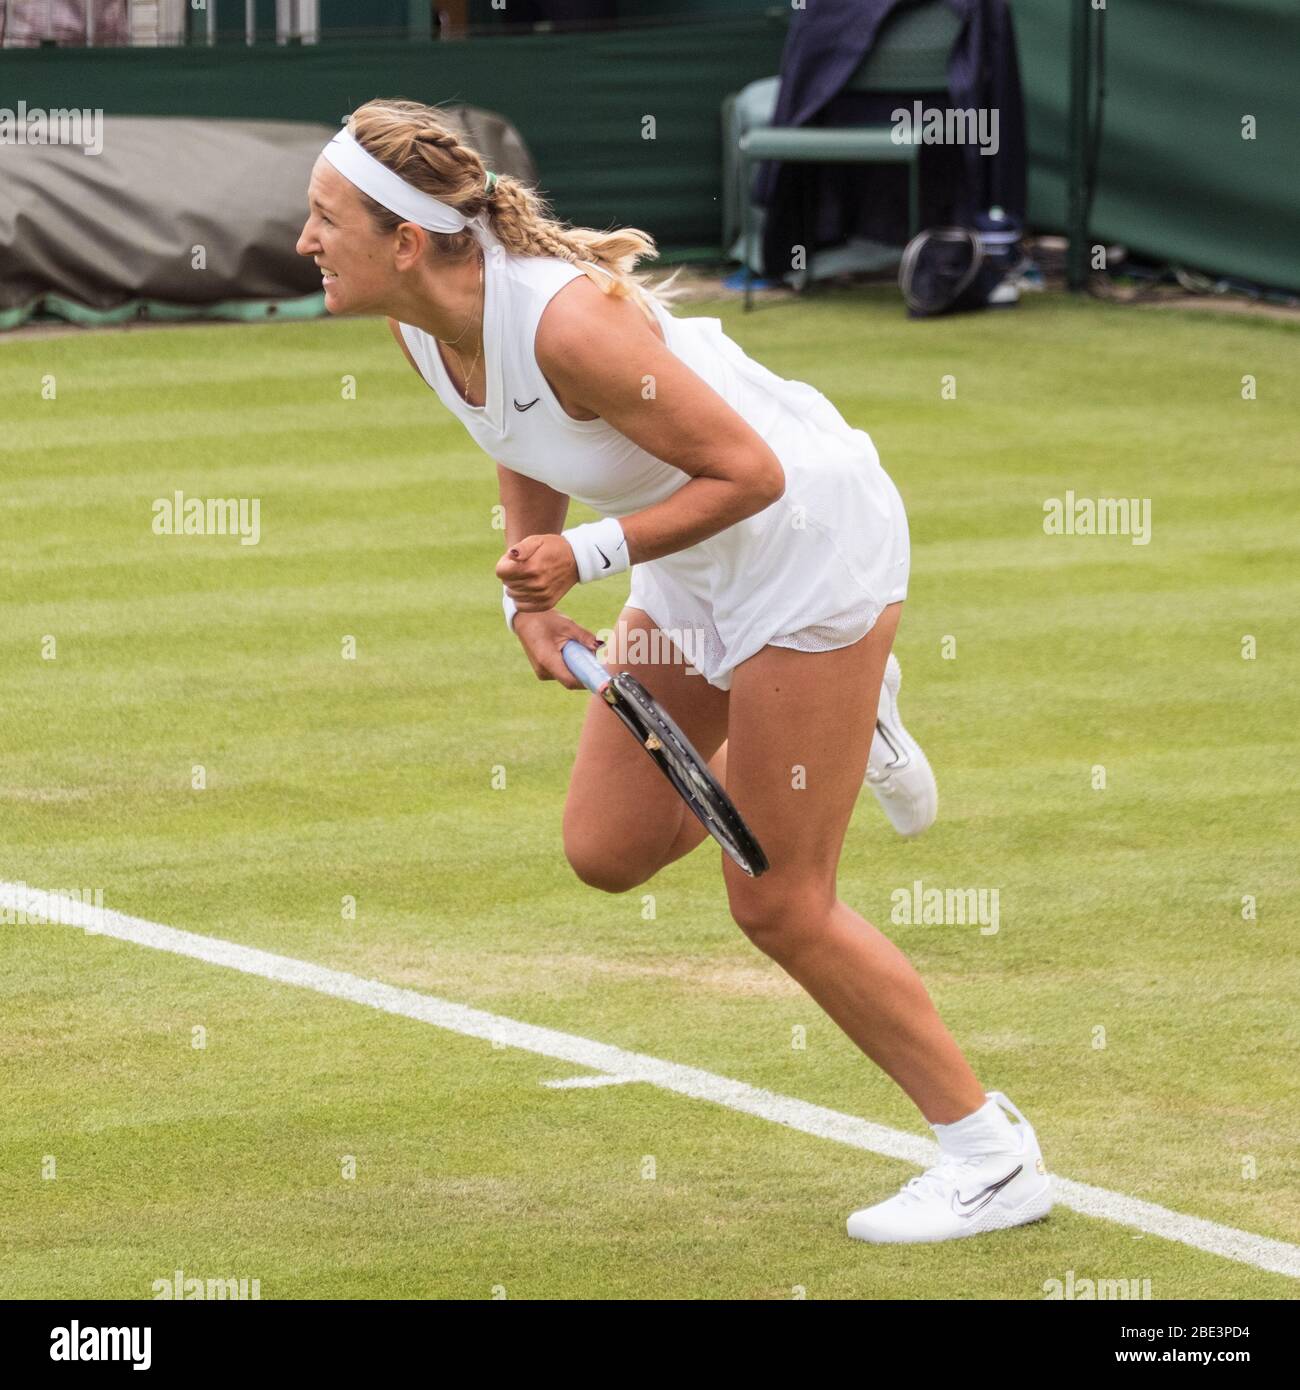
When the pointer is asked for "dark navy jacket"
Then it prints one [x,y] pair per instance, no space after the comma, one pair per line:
[823,204]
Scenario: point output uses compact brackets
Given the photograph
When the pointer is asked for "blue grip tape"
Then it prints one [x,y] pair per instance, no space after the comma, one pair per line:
[588,670]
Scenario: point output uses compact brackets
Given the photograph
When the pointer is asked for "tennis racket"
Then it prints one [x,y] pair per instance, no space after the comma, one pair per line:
[656,732]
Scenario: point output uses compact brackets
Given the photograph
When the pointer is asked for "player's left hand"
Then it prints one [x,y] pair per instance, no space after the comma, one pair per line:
[538,572]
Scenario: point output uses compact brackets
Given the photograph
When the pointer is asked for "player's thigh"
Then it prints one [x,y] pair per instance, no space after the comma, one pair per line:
[801,725]
[621,813]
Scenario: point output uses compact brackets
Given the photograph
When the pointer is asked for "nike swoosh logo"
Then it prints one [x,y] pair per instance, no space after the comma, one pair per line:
[605,557]
[530,404]
[983,1197]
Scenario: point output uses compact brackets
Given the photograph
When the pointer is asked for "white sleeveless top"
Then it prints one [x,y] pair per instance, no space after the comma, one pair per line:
[813,570]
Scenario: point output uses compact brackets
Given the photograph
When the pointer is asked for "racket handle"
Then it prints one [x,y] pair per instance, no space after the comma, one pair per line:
[585,666]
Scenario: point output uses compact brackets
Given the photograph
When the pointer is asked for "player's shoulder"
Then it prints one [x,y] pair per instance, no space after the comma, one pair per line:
[584,319]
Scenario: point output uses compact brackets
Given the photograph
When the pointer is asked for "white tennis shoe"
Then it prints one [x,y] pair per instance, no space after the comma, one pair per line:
[965,1194]
[898,773]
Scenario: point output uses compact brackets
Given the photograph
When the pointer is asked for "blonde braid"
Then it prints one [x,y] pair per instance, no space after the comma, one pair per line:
[412,140]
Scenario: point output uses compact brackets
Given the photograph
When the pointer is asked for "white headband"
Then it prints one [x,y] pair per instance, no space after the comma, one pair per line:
[392,191]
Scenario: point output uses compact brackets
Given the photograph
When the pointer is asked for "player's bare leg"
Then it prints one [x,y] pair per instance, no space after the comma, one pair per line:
[787,715]
[623,819]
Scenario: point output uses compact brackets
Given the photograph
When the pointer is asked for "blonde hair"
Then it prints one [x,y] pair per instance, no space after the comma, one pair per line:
[412,140]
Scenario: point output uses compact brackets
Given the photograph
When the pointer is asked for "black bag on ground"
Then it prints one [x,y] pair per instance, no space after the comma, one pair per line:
[944,270]
[947,269]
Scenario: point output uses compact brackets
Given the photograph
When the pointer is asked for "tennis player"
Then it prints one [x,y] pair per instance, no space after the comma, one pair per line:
[762,534]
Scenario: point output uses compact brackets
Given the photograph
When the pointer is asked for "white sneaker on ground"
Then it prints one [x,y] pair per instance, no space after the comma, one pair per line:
[898,773]
[973,1188]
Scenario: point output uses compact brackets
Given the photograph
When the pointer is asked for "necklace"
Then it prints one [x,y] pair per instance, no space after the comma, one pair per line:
[464,330]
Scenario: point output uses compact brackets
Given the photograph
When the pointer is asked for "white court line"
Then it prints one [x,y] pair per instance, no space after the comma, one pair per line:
[1261,1252]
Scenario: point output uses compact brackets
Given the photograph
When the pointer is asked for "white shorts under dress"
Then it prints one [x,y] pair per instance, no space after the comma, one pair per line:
[815,589]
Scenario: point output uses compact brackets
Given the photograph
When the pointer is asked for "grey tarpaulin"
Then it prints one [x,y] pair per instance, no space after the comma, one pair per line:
[100,237]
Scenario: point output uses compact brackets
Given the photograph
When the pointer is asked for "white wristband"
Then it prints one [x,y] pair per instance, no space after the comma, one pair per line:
[510,606]
[599,547]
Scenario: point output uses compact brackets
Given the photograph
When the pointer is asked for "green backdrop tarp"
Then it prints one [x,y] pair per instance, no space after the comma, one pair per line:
[586,105]
[52,307]
[1177,181]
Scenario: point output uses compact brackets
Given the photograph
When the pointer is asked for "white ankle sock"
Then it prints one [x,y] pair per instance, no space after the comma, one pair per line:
[984,1131]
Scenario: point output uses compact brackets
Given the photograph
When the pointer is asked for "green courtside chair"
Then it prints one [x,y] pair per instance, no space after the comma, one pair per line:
[910,55]
[754,105]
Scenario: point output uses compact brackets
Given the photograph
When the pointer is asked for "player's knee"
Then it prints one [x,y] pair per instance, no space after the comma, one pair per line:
[611,873]
[777,917]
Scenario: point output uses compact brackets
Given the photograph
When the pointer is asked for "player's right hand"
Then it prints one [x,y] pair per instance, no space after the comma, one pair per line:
[542,635]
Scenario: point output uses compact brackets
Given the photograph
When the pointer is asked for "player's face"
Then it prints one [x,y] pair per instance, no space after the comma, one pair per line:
[355,260]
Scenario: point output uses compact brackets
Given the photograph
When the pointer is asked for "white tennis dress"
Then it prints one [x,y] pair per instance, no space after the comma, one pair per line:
[811,571]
